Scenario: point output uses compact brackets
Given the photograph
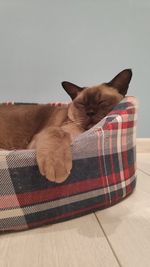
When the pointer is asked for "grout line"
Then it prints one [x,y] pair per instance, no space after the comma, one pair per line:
[143,171]
[113,251]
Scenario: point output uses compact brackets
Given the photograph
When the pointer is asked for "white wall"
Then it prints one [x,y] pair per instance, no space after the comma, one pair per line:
[43,42]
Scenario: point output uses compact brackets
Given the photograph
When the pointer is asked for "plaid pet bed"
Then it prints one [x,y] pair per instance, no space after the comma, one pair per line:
[103,174]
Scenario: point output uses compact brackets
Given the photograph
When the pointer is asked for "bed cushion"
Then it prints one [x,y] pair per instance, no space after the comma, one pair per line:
[103,174]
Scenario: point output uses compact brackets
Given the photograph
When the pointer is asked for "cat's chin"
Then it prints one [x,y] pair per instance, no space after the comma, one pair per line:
[92,124]
[88,127]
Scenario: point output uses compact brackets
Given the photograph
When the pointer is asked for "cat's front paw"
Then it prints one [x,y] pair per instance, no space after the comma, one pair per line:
[56,163]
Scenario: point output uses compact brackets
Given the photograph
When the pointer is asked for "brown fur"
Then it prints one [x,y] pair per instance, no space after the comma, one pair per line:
[50,130]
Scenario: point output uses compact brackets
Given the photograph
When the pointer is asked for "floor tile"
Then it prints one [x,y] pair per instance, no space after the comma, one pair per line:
[76,243]
[143,162]
[127,226]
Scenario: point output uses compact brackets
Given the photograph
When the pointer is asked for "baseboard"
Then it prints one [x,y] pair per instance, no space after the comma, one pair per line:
[143,145]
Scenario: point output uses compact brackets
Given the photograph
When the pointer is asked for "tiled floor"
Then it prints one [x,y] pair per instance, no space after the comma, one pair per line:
[118,236]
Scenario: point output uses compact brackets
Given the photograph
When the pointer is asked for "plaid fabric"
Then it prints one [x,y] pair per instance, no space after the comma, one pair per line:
[103,174]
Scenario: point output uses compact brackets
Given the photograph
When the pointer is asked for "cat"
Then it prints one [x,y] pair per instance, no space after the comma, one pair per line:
[50,130]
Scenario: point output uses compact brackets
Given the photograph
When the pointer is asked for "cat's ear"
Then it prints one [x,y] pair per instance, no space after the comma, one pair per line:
[121,81]
[71,89]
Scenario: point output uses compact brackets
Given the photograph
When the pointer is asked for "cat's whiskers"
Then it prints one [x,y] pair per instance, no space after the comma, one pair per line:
[76,126]
[77,122]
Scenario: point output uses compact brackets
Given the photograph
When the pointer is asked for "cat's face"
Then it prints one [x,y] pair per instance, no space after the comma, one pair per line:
[91,104]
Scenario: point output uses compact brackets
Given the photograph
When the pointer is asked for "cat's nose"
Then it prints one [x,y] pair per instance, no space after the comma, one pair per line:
[90,113]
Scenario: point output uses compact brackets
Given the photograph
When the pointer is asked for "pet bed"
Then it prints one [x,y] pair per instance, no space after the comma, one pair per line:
[103,174]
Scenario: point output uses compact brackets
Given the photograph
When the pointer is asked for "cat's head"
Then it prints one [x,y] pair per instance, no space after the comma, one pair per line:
[91,104]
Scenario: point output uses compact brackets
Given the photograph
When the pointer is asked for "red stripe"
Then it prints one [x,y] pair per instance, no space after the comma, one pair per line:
[124,125]
[56,218]
[72,214]
[50,194]
[67,215]
[54,193]
[130,110]
[78,212]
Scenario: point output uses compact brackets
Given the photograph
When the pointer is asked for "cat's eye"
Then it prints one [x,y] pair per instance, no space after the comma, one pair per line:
[101,102]
[80,103]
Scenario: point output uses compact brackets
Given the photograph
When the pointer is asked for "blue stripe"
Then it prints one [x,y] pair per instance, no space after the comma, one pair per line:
[28,179]
[72,207]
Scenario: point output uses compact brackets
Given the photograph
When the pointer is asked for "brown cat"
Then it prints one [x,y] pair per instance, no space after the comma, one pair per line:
[50,130]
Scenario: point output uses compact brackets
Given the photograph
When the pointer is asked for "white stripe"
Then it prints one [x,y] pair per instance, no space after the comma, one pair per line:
[103,153]
[61,202]
[7,185]
[119,149]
